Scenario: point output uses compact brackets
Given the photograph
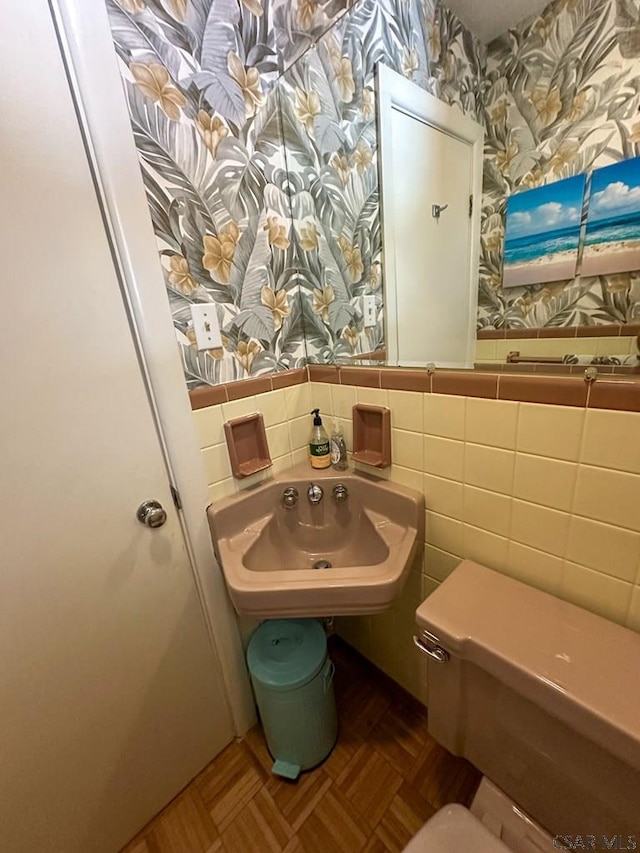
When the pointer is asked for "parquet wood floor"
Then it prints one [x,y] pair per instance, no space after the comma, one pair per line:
[384,779]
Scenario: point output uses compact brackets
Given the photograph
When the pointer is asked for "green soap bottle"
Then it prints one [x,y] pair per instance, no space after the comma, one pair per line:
[319,448]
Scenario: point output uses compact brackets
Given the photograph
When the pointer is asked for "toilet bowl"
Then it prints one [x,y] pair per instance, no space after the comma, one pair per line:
[495,824]
[542,697]
[454,829]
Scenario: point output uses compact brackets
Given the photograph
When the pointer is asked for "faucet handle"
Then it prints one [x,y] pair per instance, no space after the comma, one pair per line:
[315,493]
[290,497]
[340,493]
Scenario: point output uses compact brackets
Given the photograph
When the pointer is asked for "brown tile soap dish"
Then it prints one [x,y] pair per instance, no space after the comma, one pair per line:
[247,445]
[372,435]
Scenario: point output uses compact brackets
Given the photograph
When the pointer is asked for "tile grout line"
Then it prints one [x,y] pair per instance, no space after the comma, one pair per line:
[572,510]
[513,483]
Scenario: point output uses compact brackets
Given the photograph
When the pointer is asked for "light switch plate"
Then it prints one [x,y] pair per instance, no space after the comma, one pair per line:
[205,326]
[369,311]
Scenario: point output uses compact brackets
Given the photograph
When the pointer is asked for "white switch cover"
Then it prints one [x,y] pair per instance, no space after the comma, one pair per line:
[369,311]
[205,325]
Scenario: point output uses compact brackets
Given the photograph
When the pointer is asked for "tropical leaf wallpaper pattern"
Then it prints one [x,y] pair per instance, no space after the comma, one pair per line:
[287,256]
[200,83]
[561,95]
[198,78]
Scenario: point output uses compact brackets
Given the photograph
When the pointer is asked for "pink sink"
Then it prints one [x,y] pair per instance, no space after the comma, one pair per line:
[363,547]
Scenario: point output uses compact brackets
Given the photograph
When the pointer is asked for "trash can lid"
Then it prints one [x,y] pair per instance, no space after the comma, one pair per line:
[286,653]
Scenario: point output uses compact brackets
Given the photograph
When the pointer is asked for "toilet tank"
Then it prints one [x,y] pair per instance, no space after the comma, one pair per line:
[541,696]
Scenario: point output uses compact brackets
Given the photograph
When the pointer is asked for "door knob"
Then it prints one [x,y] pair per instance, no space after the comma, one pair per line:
[151,513]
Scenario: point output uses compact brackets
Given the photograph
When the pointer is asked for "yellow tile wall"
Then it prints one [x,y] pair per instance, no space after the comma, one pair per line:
[549,495]
[287,422]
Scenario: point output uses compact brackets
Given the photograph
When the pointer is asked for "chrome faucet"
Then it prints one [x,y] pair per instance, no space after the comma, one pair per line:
[340,493]
[315,493]
[290,497]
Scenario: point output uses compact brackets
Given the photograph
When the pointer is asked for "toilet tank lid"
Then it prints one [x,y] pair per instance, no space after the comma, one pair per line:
[576,665]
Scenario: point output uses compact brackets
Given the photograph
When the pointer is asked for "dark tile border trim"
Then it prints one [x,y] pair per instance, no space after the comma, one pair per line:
[248,387]
[555,390]
[208,395]
[607,392]
[289,378]
[615,394]
[613,330]
[212,395]
[465,383]
[324,373]
[399,379]
[564,369]
[367,377]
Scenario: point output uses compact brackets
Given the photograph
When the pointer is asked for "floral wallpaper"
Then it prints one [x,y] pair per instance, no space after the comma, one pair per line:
[199,81]
[284,240]
[280,255]
[561,96]
[328,112]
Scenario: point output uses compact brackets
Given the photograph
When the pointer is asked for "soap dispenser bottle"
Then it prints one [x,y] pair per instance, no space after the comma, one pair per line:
[319,450]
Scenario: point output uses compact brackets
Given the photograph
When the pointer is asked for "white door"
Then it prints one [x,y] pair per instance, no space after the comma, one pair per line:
[431,167]
[110,694]
[431,252]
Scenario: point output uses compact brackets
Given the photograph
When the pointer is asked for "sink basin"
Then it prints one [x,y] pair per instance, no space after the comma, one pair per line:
[363,548]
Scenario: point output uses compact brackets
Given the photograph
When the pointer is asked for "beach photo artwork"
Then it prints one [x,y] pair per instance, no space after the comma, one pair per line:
[542,233]
[612,241]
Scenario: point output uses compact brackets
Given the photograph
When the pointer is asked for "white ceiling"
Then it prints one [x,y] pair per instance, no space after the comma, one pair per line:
[488,19]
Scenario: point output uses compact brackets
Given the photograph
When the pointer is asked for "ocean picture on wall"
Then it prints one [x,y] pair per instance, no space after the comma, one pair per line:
[543,233]
[612,241]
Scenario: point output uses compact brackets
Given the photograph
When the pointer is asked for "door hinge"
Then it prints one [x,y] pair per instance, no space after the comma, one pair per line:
[175,494]
[470,205]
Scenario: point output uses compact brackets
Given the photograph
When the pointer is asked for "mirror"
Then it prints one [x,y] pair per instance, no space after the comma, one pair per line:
[430,159]
[537,131]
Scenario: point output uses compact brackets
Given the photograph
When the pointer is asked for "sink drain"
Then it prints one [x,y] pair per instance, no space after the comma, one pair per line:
[322,564]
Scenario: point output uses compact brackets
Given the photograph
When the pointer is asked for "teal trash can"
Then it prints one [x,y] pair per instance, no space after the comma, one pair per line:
[292,679]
